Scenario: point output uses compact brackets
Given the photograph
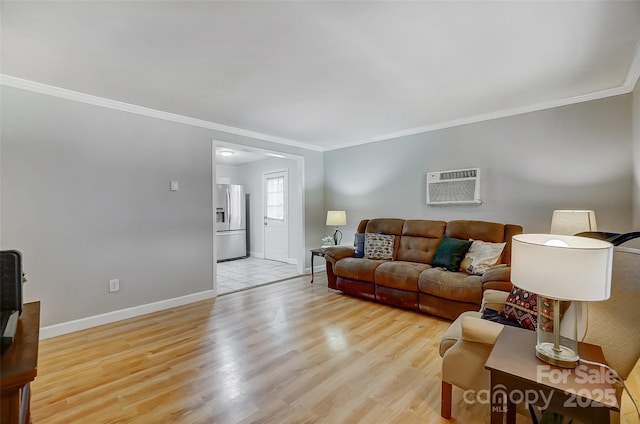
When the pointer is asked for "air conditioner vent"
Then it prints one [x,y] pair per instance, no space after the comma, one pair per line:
[459,186]
[453,175]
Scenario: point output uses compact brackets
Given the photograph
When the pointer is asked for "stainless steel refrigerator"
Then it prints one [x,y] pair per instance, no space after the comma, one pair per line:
[231,224]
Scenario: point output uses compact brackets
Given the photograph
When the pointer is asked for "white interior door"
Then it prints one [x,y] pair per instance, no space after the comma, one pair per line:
[276,222]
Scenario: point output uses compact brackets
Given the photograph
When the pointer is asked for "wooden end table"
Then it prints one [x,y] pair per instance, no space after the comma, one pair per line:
[584,393]
[321,252]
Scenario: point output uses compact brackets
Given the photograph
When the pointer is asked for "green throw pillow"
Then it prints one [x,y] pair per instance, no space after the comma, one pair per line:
[450,253]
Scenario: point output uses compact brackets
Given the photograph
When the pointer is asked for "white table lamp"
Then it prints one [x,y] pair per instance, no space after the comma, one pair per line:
[336,219]
[556,268]
[571,222]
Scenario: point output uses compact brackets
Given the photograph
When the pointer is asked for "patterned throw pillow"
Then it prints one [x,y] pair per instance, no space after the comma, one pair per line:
[378,246]
[545,312]
[521,306]
[481,256]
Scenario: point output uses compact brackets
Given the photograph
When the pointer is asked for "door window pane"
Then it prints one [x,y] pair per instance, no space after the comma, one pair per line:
[275,198]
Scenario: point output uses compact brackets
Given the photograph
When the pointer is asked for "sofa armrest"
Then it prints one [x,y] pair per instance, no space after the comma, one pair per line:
[335,253]
[497,278]
[332,255]
[493,299]
[497,273]
[478,330]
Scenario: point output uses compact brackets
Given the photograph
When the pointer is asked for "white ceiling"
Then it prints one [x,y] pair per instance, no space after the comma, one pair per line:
[325,74]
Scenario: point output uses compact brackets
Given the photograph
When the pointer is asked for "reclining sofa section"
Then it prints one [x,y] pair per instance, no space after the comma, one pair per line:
[409,280]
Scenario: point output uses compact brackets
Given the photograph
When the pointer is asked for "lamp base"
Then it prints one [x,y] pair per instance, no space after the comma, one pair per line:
[337,237]
[562,356]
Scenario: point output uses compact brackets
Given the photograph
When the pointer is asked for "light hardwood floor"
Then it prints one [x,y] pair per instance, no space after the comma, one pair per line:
[290,352]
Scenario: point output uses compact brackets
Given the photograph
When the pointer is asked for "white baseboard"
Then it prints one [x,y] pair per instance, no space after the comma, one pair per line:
[114,316]
[259,255]
[316,269]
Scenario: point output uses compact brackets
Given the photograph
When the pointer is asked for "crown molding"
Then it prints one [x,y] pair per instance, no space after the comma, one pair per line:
[624,89]
[36,87]
[632,77]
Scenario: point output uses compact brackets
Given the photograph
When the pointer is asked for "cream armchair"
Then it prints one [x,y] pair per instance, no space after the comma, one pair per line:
[612,324]
[465,347]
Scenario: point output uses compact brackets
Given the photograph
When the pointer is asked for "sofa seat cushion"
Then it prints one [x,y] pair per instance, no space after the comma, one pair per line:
[451,285]
[361,269]
[399,275]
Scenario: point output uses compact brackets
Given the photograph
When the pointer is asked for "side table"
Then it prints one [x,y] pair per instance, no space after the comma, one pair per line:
[585,393]
[320,251]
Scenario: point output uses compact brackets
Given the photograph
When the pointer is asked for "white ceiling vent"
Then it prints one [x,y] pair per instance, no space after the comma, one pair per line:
[455,187]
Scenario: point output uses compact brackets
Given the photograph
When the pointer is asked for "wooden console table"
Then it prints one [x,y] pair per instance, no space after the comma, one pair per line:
[19,367]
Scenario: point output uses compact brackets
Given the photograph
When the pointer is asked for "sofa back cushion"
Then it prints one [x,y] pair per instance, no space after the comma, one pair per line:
[389,226]
[417,240]
[485,231]
[392,226]
[510,230]
[420,239]
[362,227]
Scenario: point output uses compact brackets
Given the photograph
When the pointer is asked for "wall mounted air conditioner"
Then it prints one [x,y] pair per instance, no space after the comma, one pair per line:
[455,187]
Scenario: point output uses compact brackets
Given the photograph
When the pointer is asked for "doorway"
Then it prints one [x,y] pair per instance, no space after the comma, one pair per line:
[250,167]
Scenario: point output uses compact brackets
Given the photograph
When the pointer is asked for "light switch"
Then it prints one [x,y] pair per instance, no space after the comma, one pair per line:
[174,186]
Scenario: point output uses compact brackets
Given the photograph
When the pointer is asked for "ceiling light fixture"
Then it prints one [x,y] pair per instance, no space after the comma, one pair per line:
[227,153]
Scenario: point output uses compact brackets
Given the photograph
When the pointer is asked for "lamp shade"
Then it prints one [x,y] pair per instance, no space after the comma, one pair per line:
[336,218]
[562,267]
[572,222]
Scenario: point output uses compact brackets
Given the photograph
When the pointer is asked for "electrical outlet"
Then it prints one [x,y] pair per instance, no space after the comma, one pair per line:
[114,285]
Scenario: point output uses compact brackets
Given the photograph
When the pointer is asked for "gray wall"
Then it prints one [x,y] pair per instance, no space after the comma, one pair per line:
[85,197]
[570,157]
[636,156]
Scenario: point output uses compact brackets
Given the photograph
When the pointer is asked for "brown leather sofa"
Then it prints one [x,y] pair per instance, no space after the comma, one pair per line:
[409,281]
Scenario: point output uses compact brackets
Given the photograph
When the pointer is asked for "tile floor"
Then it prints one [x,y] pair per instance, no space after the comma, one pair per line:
[241,274]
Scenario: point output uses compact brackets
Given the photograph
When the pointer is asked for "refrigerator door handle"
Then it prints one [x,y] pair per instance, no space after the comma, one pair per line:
[229,207]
